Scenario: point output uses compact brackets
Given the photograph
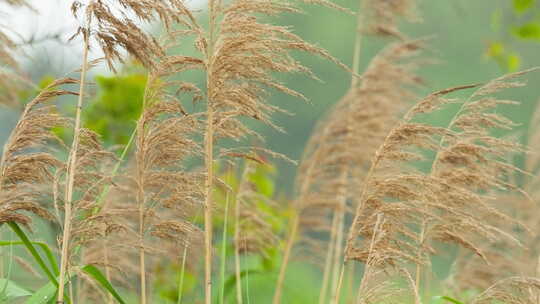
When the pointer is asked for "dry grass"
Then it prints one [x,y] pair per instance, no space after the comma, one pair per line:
[28,162]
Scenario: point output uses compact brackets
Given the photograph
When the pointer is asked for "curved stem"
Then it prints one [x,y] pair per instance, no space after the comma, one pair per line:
[286,256]
[328,261]
[354,83]
[182,274]
[338,266]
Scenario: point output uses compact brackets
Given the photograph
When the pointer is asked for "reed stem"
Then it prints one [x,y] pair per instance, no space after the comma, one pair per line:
[209,158]
[286,256]
[328,260]
[72,164]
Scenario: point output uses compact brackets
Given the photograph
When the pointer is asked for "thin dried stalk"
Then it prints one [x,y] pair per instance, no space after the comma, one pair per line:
[328,260]
[209,155]
[72,163]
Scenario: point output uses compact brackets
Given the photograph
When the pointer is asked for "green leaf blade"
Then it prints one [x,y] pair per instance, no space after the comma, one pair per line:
[448,299]
[11,290]
[96,274]
[44,295]
[30,247]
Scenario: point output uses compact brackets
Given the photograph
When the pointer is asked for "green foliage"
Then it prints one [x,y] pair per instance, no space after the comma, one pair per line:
[99,278]
[508,60]
[117,107]
[10,290]
[44,247]
[30,247]
[447,299]
[528,31]
[48,291]
[45,295]
[183,287]
[521,6]
[522,26]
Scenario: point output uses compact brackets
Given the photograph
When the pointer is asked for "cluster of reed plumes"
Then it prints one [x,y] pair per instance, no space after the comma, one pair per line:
[377,185]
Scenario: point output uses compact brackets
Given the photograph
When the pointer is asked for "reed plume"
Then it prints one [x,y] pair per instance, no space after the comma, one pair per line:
[513,290]
[108,23]
[89,181]
[382,17]
[164,141]
[376,18]
[505,259]
[447,202]
[155,199]
[28,163]
[344,143]
[115,25]
[255,233]
[240,54]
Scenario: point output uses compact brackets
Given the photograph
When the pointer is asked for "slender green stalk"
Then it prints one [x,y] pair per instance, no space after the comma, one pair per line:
[224,250]
[72,164]
[30,247]
[237,251]
[107,188]
[247,281]
[328,260]
[10,264]
[182,274]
